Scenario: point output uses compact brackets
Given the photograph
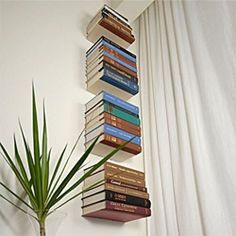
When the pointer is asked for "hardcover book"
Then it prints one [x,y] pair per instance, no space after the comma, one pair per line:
[116,197]
[113,120]
[110,166]
[115,175]
[106,143]
[116,188]
[115,211]
[112,45]
[123,125]
[113,110]
[105,96]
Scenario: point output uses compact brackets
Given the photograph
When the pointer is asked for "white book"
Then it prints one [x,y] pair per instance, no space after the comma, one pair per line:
[98,110]
[95,198]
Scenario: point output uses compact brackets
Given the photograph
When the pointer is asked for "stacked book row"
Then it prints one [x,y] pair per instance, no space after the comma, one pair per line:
[112,68]
[120,196]
[115,121]
[112,25]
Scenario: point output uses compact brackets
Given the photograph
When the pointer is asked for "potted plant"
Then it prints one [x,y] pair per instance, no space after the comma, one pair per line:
[45,190]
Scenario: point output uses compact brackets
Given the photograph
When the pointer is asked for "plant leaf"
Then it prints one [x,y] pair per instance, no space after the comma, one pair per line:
[38,173]
[45,169]
[19,208]
[96,166]
[69,176]
[18,175]
[16,196]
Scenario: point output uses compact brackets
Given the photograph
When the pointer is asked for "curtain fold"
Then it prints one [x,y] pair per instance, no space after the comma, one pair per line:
[188,100]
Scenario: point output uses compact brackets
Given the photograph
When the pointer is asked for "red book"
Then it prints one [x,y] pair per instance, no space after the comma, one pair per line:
[115,211]
[115,29]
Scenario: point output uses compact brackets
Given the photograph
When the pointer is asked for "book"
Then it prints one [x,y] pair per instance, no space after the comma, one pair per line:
[106,14]
[109,80]
[93,63]
[114,131]
[109,11]
[91,71]
[115,188]
[114,85]
[112,45]
[124,125]
[124,75]
[108,117]
[115,28]
[115,211]
[113,100]
[110,166]
[98,31]
[116,197]
[115,175]
[94,56]
[106,143]
[113,110]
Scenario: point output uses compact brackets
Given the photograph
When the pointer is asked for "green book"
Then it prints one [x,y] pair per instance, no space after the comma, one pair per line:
[114,110]
[109,108]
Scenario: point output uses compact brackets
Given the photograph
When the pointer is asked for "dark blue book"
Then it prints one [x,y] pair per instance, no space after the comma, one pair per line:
[119,81]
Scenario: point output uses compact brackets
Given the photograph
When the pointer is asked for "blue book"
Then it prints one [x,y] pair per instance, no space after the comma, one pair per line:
[119,80]
[113,100]
[121,134]
[119,85]
[119,61]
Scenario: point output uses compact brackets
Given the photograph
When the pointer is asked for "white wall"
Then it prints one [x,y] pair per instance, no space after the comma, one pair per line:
[45,42]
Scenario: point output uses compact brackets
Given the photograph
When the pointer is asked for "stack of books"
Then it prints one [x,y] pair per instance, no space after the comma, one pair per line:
[115,121]
[112,68]
[122,195]
[112,25]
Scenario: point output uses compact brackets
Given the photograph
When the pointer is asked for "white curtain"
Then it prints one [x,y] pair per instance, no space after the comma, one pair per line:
[187,66]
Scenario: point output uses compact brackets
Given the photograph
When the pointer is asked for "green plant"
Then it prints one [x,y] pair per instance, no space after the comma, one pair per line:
[45,191]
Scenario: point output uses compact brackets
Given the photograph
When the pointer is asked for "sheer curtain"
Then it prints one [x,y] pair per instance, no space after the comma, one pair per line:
[188,97]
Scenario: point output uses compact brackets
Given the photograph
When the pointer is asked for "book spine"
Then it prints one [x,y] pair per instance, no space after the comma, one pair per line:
[127,199]
[117,206]
[125,170]
[125,75]
[118,84]
[115,142]
[118,15]
[126,185]
[113,74]
[121,114]
[119,66]
[118,55]
[116,59]
[118,48]
[124,178]
[121,121]
[123,125]
[112,27]
[118,24]
[120,103]
[127,191]
[108,129]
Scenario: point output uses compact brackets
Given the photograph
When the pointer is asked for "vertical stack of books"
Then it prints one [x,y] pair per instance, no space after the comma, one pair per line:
[111,72]
[122,195]
[112,25]
[111,67]
[116,121]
